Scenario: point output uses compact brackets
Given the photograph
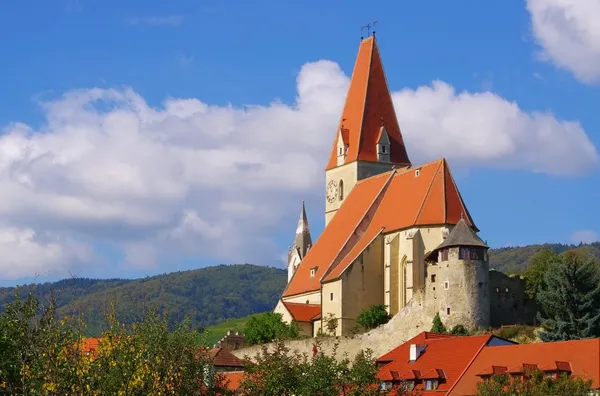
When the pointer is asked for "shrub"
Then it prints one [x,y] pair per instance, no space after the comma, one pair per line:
[373,317]
[268,327]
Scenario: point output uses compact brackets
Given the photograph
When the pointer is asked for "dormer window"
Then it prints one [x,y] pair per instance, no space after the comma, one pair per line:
[417,172]
[383,149]
[313,272]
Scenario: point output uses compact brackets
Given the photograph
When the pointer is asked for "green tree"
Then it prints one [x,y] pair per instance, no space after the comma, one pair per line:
[44,356]
[459,330]
[268,327]
[534,275]
[570,299]
[535,384]
[283,372]
[438,326]
[373,317]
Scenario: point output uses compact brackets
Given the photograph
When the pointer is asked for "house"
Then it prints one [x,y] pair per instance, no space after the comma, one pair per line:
[444,364]
[432,363]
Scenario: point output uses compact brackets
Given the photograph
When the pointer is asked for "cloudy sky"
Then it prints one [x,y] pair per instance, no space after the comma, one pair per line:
[144,137]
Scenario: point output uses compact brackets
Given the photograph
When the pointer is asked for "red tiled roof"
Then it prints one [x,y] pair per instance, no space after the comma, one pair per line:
[303,312]
[372,208]
[368,104]
[581,357]
[223,358]
[233,379]
[443,357]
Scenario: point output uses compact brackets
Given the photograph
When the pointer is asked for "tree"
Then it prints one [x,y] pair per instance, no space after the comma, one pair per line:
[534,275]
[570,299]
[268,327]
[283,372]
[373,317]
[42,355]
[438,326]
[535,384]
[459,330]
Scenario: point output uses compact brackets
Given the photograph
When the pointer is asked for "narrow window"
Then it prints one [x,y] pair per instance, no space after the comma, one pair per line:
[444,255]
[330,296]
[341,150]
[417,172]
[433,278]
[446,285]
[341,190]
[312,272]
[383,149]
[448,310]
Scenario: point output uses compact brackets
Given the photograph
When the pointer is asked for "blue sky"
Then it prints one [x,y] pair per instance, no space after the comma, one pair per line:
[143,137]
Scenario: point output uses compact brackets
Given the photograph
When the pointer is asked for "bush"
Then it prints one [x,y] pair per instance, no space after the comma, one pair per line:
[373,317]
[268,327]
[437,325]
[459,330]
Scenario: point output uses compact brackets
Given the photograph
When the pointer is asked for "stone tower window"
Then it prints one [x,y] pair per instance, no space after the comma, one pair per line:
[341,190]
[444,255]
[330,296]
[448,311]
[383,149]
[446,285]
[433,278]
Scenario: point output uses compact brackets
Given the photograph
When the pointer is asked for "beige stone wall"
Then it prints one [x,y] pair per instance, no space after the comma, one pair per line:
[285,314]
[362,284]
[460,286]
[331,307]
[403,326]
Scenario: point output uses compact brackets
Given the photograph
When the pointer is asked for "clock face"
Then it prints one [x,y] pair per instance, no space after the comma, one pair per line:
[331,191]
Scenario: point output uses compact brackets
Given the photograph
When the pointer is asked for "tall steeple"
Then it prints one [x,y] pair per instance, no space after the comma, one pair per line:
[368,112]
[302,242]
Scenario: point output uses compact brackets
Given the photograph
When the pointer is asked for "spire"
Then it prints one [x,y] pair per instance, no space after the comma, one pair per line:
[302,241]
[368,102]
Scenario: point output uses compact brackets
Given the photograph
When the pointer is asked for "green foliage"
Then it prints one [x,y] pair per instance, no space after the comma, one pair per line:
[438,326]
[44,356]
[570,299]
[281,372]
[459,330]
[331,324]
[516,333]
[536,384]
[373,317]
[267,327]
[534,275]
[206,296]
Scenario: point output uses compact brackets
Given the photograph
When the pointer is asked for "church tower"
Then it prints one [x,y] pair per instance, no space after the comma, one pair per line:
[302,242]
[368,140]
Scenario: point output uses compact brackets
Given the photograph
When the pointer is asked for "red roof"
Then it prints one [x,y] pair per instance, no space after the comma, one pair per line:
[368,105]
[233,379]
[224,358]
[580,357]
[303,312]
[370,209]
[442,357]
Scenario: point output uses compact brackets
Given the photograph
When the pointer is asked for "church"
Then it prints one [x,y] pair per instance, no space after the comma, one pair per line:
[393,230]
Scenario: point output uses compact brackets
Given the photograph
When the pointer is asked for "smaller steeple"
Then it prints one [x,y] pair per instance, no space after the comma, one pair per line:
[302,241]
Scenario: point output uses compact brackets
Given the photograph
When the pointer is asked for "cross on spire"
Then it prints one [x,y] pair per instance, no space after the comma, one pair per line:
[368,26]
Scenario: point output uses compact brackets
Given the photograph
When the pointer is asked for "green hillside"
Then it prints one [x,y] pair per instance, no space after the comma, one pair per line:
[215,332]
[513,260]
[207,296]
[213,295]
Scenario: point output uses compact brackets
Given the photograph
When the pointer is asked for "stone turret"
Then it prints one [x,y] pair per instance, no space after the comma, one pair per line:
[458,277]
[302,243]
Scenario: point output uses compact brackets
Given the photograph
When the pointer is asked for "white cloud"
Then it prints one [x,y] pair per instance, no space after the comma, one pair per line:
[189,178]
[585,236]
[168,20]
[569,34]
[25,253]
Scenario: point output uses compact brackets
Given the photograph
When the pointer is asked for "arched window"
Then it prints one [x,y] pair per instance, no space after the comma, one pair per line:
[341,190]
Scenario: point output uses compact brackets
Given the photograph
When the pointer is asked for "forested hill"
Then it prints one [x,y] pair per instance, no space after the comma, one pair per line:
[213,294]
[512,260]
[208,295]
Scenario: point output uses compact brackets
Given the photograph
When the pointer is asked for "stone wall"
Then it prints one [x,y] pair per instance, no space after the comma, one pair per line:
[509,304]
[406,324]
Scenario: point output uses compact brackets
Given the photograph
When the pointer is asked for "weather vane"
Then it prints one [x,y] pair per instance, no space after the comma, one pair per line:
[368,27]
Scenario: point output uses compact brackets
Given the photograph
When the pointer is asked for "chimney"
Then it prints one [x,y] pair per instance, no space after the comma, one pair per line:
[414,352]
